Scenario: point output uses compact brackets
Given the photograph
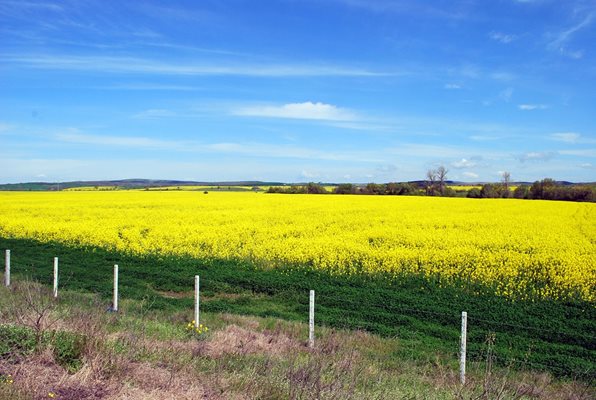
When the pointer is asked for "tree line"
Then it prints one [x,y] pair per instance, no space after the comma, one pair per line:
[436,185]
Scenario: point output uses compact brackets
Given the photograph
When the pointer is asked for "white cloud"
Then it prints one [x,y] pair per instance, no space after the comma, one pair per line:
[452,86]
[463,163]
[579,153]
[502,37]
[154,113]
[536,156]
[568,137]
[107,140]
[559,43]
[587,165]
[244,149]
[130,65]
[471,175]
[306,110]
[530,107]
[309,174]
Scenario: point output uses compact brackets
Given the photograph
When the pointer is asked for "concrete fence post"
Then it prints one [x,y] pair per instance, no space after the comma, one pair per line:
[115,301]
[7,269]
[56,277]
[311,320]
[197,300]
[462,349]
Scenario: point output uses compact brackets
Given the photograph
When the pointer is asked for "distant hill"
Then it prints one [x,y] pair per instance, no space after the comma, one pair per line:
[125,184]
[156,183]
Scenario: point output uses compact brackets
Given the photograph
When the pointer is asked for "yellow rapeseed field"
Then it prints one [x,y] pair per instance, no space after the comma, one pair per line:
[519,248]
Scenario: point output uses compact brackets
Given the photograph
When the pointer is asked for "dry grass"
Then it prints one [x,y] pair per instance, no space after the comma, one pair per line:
[240,341]
[244,358]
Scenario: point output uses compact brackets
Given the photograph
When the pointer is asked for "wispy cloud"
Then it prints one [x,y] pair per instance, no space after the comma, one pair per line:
[149,87]
[502,37]
[306,110]
[560,42]
[248,149]
[452,86]
[472,175]
[579,153]
[463,163]
[309,174]
[536,156]
[568,137]
[431,151]
[571,137]
[132,65]
[121,141]
[11,7]
[409,8]
[531,107]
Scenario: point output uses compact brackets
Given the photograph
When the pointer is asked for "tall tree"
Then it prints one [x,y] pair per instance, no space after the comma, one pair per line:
[506,179]
[431,178]
[441,174]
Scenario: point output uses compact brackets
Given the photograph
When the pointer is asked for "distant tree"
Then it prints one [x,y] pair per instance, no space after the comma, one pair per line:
[392,188]
[374,188]
[583,193]
[408,188]
[506,179]
[345,188]
[521,192]
[543,189]
[474,193]
[315,188]
[431,179]
[449,192]
[400,188]
[441,174]
[489,191]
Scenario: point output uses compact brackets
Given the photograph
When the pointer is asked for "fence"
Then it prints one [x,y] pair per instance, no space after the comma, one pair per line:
[481,328]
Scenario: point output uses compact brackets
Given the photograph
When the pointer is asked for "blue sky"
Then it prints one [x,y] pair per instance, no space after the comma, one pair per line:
[297,90]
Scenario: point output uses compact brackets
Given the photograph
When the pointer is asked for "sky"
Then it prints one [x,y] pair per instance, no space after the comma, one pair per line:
[297,90]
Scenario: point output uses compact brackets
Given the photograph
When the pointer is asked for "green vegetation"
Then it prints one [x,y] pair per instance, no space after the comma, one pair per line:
[544,335]
[546,189]
[146,353]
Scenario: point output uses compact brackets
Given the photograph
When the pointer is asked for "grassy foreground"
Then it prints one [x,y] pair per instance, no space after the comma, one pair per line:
[71,348]
[552,336]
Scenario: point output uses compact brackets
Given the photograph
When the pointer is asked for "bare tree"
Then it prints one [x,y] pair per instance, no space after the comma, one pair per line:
[441,175]
[506,179]
[431,178]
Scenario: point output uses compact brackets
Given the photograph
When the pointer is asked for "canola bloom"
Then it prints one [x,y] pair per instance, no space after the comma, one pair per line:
[519,248]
